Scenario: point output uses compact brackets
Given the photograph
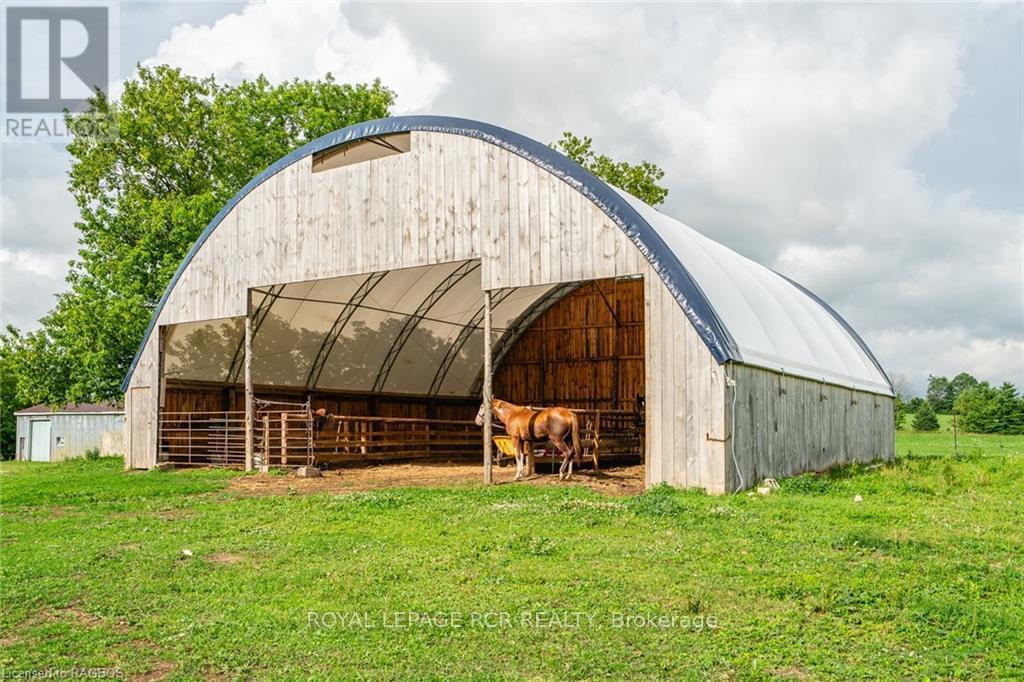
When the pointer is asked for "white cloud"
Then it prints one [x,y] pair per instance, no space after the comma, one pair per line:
[33,262]
[284,40]
[788,132]
[37,233]
[29,280]
[949,351]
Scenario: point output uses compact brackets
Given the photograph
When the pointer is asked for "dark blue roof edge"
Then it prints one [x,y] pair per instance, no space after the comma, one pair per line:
[844,324]
[671,271]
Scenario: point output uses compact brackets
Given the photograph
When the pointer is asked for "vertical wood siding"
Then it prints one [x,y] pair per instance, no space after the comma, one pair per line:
[785,425]
[685,398]
[585,352]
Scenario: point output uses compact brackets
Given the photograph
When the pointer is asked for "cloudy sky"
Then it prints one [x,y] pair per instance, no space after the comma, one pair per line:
[871,152]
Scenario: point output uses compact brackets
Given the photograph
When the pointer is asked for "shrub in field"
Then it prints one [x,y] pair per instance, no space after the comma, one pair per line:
[925,419]
[92,453]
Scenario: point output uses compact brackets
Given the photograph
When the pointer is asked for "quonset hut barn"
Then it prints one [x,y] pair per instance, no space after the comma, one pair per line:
[396,271]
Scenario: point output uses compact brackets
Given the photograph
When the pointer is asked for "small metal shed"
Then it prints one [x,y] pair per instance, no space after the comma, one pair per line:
[45,434]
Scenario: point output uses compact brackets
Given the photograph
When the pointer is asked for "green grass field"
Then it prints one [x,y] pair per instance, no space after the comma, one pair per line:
[924,578]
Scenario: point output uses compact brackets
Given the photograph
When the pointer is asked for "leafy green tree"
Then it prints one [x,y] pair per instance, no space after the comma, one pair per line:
[22,357]
[914,405]
[974,408]
[640,180]
[10,400]
[938,394]
[943,392]
[925,419]
[184,146]
[960,383]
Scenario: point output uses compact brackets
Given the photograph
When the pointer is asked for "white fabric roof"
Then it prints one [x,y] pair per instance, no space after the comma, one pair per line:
[774,323]
[416,331]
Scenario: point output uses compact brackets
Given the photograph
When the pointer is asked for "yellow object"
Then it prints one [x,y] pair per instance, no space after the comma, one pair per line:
[504,445]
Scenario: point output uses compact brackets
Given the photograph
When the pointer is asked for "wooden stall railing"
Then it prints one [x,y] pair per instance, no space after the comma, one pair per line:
[202,438]
[348,439]
[294,438]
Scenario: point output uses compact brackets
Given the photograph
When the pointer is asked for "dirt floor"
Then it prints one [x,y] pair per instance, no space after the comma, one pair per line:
[623,480]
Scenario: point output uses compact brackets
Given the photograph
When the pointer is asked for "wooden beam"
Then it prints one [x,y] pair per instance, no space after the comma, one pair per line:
[284,440]
[488,443]
[248,387]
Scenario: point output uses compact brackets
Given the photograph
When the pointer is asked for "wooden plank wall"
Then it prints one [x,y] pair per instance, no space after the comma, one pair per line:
[140,424]
[465,197]
[585,352]
[685,398]
[785,425]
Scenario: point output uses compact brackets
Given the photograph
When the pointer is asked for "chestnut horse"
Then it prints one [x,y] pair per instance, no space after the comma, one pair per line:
[527,425]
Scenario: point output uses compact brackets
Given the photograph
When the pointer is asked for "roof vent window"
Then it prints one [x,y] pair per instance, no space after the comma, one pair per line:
[363,150]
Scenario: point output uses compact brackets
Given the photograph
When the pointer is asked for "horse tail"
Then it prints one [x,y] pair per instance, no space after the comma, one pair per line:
[577,448]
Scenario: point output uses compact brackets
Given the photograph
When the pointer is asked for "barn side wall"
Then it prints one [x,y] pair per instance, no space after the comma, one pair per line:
[685,428]
[786,425]
[449,198]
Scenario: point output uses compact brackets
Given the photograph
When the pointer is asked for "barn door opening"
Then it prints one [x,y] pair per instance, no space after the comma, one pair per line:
[585,351]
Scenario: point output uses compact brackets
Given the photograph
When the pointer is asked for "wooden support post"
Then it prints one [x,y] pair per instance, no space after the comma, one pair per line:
[248,389]
[284,439]
[488,442]
[266,438]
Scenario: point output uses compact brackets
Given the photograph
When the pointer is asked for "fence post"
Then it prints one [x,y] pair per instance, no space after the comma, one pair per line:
[266,438]
[284,439]
[248,384]
[309,435]
[488,444]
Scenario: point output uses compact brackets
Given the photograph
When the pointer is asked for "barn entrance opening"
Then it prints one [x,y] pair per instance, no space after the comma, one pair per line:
[388,367]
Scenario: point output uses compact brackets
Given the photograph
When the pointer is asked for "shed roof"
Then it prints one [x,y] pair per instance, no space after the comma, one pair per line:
[71,408]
